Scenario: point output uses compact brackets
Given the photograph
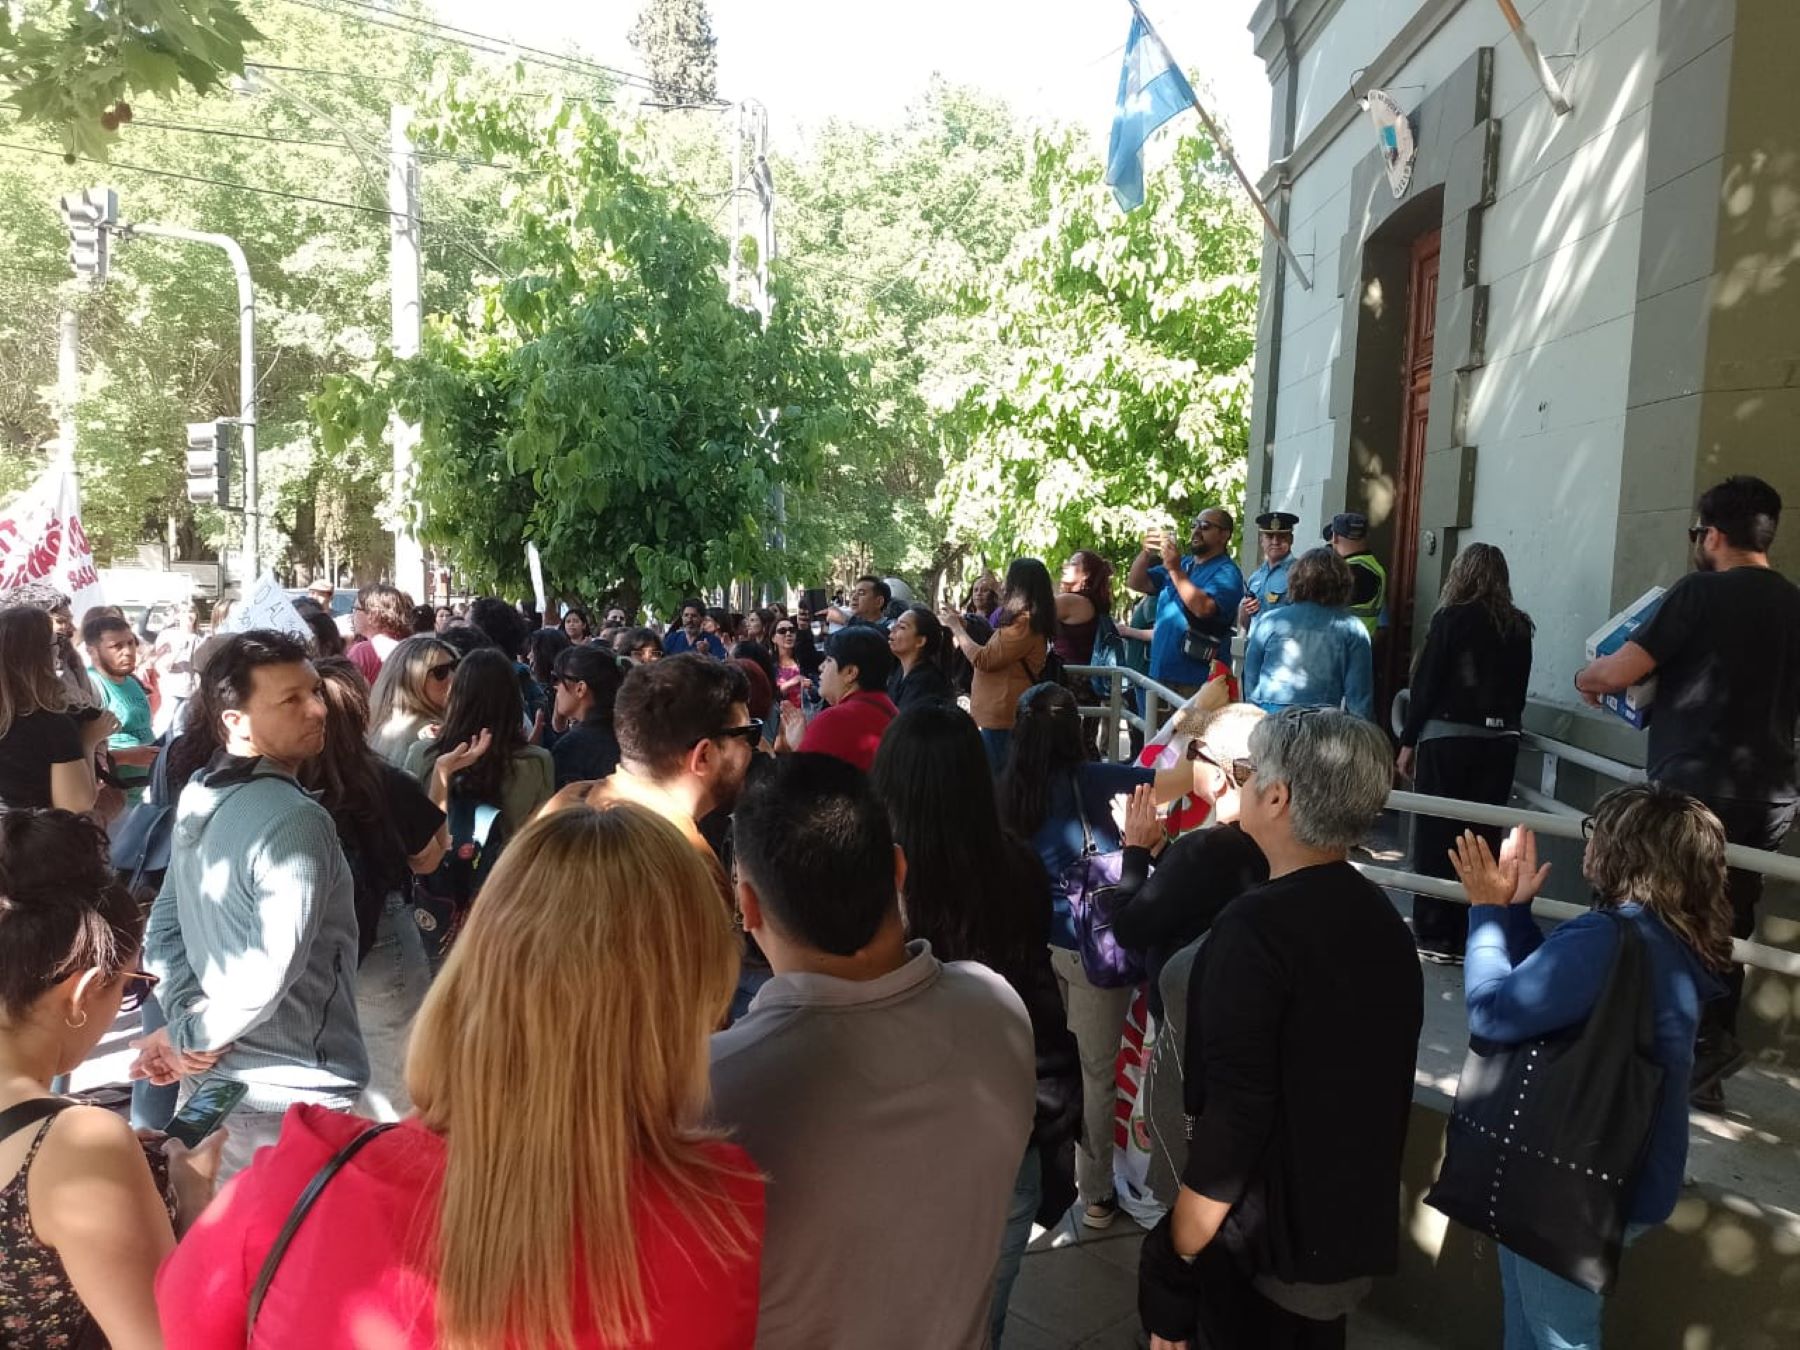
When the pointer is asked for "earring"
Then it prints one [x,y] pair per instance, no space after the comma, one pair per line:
[76,1026]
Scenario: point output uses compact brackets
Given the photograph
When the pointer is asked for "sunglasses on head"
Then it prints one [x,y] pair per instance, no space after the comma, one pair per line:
[138,984]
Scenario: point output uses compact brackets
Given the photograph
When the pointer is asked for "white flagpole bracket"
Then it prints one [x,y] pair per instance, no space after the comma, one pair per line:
[1540,65]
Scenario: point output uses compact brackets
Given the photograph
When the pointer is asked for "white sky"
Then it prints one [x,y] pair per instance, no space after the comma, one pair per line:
[810,60]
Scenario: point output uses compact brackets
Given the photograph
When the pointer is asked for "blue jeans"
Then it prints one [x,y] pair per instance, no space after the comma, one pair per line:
[997,741]
[1546,1312]
[1021,1211]
[391,983]
[152,1107]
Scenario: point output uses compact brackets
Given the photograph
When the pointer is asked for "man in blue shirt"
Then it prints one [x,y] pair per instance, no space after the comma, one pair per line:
[689,638]
[1268,584]
[1198,592]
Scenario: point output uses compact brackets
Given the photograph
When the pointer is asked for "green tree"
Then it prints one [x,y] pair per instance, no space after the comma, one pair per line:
[608,402]
[72,64]
[159,339]
[675,38]
[887,227]
[1107,378]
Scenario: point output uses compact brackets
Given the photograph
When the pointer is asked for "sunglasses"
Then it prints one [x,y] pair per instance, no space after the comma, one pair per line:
[1239,771]
[138,984]
[786,628]
[1694,533]
[750,734]
[442,672]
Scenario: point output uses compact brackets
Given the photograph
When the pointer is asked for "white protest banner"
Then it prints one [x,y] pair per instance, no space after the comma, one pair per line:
[536,564]
[41,539]
[267,606]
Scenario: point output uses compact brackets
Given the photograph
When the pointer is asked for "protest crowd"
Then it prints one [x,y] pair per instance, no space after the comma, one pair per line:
[511,979]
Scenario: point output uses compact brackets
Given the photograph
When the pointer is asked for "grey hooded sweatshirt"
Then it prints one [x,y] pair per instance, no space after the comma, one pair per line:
[254,938]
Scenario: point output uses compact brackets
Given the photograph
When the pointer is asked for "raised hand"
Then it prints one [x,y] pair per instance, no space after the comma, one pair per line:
[1520,847]
[1142,829]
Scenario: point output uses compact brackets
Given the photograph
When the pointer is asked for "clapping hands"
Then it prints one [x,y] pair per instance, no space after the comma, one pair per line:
[1514,878]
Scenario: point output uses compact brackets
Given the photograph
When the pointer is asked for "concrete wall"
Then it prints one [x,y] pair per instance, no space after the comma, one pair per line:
[1536,411]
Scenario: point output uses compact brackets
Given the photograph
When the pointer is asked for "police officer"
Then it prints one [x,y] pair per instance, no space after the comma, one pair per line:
[1268,584]
[1348,535]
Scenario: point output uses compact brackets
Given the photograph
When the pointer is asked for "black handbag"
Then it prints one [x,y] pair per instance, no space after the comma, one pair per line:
[1548,1136]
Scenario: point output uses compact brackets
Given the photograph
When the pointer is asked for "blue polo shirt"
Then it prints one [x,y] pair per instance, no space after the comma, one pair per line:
[1219,578]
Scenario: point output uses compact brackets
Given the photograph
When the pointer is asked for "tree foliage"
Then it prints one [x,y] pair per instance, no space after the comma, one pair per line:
[1109,374]
[159,338]
[72,64]
[607,402]
[675,38]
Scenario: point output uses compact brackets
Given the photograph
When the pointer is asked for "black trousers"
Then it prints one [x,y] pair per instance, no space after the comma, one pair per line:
[1234,1316]
[1472,769]
[1755,825]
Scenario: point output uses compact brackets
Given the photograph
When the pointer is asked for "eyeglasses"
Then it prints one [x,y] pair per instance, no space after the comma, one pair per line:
[1695,531]
[442,672]
[1587,827]
[138,984]
[1208,525]
[786,628]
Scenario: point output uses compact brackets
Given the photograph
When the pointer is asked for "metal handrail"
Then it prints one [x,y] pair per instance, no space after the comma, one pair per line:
[1569,827]
[1587,759]
[1757,954]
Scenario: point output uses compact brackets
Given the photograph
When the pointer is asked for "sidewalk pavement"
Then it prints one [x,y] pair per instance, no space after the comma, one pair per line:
[1077,1290]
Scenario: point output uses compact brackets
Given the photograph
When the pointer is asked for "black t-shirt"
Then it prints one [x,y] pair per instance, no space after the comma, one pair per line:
[377,850]
[587,750]
[30,746]
[1727,652]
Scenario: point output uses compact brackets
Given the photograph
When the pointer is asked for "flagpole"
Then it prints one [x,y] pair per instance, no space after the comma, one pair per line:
[1224,146]
[1553,90]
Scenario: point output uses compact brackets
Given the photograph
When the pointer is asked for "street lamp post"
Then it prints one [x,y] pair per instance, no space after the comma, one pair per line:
[240,266]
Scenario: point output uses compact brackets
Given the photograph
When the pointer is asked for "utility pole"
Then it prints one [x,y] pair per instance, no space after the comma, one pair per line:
[240,267]
[737,205]
[404,221]
[765,196]
[68,377]
[88,217]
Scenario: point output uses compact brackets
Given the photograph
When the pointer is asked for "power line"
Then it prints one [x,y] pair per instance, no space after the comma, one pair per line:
[504,48]
[614,72]
[211,182]
[213,129]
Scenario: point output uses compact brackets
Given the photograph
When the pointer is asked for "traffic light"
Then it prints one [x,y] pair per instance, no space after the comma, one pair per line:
[209,462]
[90,216]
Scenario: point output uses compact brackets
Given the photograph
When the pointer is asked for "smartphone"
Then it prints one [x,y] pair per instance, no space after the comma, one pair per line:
[206,1110]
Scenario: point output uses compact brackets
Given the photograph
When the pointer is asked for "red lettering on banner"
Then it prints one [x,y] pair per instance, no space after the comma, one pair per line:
[78,536]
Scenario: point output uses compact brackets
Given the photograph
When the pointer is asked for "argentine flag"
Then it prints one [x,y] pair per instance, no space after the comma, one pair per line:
[1152,89]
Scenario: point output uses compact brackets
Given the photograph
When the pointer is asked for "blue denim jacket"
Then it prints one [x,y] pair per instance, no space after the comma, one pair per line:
[1305,655]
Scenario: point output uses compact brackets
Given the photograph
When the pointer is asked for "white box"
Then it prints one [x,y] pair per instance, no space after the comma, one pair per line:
[1633,705]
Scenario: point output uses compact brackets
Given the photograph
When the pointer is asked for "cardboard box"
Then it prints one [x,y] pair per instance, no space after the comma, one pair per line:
[1633,706]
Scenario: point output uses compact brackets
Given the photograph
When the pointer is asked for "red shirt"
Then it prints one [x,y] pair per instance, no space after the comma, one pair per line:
[359,1270]
[851,729]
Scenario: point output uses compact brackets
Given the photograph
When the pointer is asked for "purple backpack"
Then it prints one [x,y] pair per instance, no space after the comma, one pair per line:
[1090,884]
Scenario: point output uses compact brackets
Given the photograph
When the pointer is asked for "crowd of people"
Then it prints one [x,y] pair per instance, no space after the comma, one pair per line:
[761,981]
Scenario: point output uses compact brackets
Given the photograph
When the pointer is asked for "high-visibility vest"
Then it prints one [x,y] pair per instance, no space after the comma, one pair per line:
[1370,611]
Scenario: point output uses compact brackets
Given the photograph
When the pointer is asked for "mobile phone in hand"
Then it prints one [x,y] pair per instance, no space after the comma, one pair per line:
[206,1110]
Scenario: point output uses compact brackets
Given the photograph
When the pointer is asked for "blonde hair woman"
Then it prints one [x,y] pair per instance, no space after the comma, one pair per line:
[409,695]
[556,1187]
